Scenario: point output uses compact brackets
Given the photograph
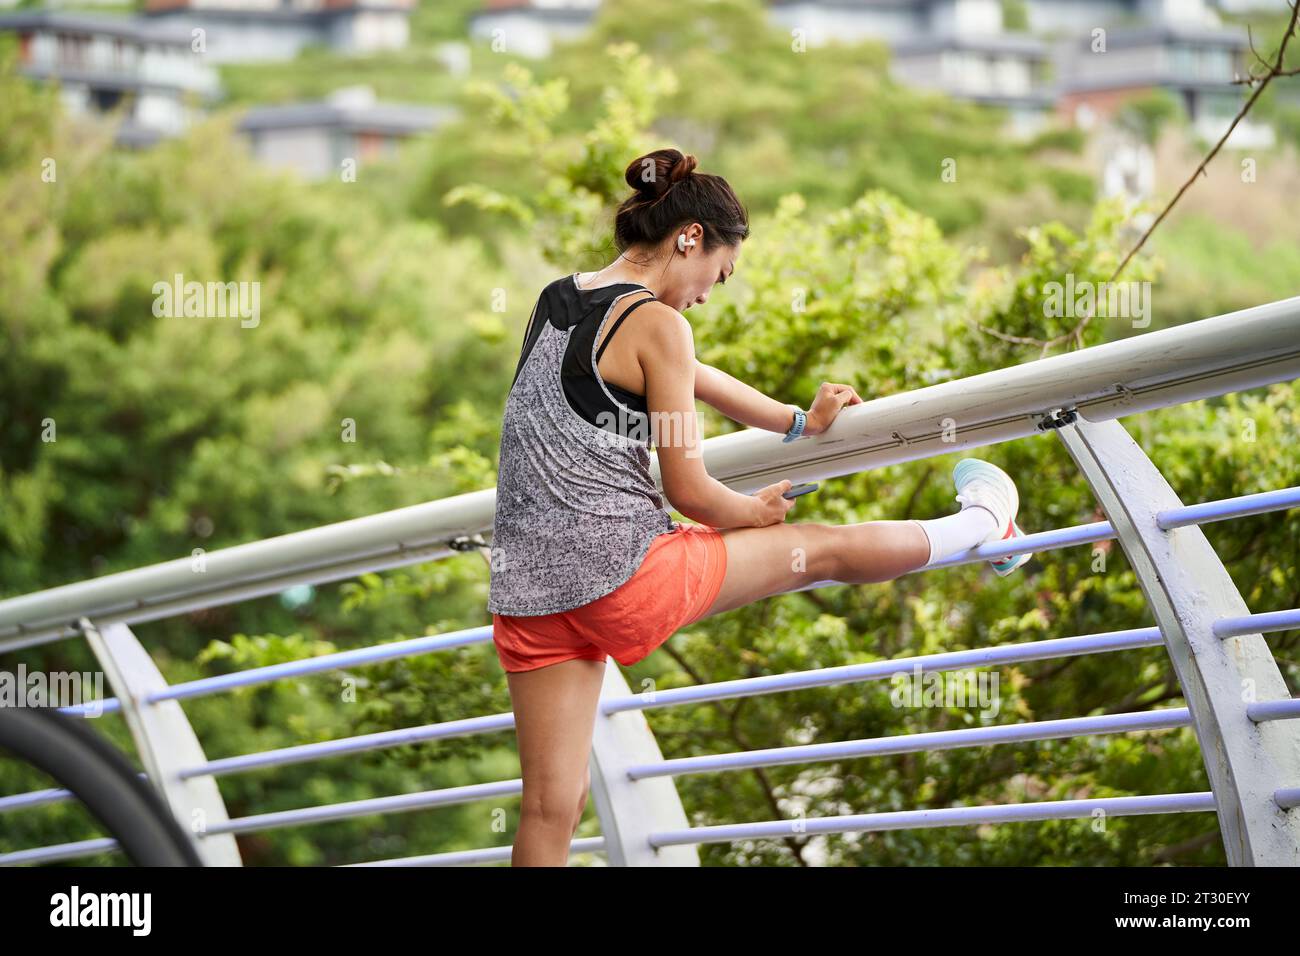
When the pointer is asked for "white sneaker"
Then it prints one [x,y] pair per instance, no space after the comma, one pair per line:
[984,484]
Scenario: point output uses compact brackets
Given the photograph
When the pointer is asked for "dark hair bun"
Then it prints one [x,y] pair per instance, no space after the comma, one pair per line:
[669,193]
[655,173]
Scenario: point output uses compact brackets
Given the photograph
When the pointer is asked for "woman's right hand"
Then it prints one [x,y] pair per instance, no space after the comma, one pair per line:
[826,407]
[769,506]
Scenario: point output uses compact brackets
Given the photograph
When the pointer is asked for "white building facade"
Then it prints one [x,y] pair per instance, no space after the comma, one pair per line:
[146,73]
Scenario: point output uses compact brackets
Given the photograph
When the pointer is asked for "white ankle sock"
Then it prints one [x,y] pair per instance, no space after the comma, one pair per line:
[956,533]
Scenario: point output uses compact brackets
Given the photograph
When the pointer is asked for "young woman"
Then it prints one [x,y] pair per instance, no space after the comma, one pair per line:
[586,560]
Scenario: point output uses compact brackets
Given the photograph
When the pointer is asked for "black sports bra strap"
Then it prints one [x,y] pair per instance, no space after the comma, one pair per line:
[619,321]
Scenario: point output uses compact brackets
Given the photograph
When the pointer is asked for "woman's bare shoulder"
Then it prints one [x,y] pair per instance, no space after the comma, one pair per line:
[664,330]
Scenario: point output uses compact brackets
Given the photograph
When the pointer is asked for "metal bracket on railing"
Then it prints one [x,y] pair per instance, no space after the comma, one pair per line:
[1125,393]
[1057,418]
[467,542]
[473,542]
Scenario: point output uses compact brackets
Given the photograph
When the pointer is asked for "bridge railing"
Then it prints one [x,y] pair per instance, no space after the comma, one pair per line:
[1249,740]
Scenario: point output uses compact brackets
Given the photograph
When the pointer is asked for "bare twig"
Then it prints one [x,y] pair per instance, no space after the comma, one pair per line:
[1259,83]
[1252,80]
[1274,71]
[1251,40]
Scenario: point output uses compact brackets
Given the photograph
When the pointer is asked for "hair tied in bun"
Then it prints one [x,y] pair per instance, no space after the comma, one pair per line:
[681,169]
[655,209]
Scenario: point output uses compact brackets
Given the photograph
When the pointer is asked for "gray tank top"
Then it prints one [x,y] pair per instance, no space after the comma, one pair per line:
[576,506]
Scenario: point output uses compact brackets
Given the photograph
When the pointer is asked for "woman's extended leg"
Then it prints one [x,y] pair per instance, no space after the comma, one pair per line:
[555,713]
[779,558]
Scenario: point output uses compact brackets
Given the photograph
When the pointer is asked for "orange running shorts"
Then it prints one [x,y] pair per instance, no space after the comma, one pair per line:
[678,580]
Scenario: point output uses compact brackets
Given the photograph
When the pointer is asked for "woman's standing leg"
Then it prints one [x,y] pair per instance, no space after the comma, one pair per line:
[555,713]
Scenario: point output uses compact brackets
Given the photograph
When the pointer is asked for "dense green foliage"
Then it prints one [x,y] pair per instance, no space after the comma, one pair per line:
[380,308]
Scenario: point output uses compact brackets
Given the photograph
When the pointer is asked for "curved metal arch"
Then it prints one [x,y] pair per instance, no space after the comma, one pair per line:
[163,738]
[1188,590]
[631,810]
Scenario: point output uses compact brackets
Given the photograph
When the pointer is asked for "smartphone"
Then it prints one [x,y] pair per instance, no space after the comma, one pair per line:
[802,488]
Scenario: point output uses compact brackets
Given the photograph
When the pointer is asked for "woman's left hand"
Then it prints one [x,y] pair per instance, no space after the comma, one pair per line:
[831,397]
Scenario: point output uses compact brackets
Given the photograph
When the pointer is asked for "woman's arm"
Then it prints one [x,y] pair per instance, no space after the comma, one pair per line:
[668,362]
[740,402]
[747,405]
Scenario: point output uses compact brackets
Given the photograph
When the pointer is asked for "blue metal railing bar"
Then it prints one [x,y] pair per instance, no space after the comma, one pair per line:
[371,806]
[1206,512]
[1287,798]
[1123,640]
[941,817]
[1287,709]
[338,660]
[923,742]
[495,854]
[1264,623]
[41,798]
[60,852]
[325,749]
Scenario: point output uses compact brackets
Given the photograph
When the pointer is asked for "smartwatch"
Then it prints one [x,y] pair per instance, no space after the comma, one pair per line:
[800,420]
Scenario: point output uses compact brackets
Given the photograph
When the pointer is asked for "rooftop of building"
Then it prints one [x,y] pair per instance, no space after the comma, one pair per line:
[353,109]
[87,24]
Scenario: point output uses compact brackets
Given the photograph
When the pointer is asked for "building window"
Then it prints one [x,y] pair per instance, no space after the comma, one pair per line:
[72,51]
[1217,64]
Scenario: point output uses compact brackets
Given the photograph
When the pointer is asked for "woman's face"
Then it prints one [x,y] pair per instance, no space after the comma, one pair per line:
[699,271]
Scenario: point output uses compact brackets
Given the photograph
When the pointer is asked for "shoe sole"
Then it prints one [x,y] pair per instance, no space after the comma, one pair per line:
[1004,566]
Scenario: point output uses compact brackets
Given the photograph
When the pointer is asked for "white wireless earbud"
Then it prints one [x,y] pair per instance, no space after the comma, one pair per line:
[683,242]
